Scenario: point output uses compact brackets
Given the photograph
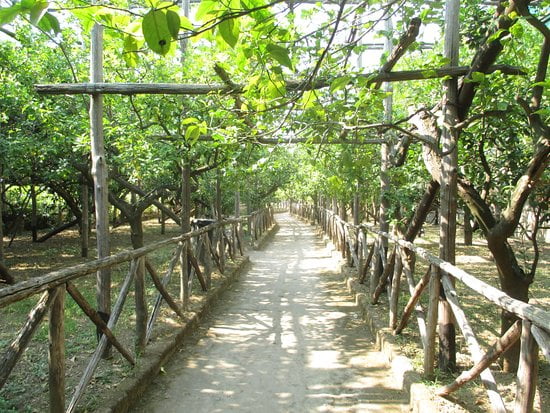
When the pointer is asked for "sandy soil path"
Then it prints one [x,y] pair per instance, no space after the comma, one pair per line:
[284,338]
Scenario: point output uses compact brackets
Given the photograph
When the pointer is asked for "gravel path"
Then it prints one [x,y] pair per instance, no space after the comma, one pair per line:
[284,338]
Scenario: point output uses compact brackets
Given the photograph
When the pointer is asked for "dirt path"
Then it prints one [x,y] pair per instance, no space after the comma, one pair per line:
[285,338]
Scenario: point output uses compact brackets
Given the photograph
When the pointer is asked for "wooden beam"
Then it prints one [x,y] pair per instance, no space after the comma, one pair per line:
[98,321]
[291,85]
[494,352]
[19,345]
[36,285]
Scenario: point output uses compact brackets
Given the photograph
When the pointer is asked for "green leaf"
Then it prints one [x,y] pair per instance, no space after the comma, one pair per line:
[189,121]
[130,51]
[173,20]
[206,8]
[192,133]
[229,31]
[476,77]
[38,11]
[156,32]
[280,54]
[339,83]
[7,14]
[49,23]
[186,23]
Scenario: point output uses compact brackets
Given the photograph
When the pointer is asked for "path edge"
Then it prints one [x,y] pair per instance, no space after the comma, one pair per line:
[265,237]
[420,397]
[128,392]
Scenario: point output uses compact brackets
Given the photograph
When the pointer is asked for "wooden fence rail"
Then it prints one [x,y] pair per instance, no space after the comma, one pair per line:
[533,329]
[202,250]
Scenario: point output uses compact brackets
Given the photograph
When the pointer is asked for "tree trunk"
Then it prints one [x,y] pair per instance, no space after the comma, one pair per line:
[84,221]
[513,282]
[468,230]
[34,230]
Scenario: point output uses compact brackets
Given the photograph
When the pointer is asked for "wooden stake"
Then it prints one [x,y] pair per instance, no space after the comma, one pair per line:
[100,349]
[395,289]
[411,304]
[84,220]
[526,380]
[156,308]
[98,321]
[497,404]
[448,191]
[56,354]
[494,352]
[20,343]
[99,174]
[162,290]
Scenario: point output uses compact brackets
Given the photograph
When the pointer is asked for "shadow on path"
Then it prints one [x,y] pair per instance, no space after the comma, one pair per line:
[284,338]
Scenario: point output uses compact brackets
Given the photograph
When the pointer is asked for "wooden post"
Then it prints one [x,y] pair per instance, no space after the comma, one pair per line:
[395,288]
[85,220]
[219,217]
[99,174]
[141,306]
[385,163]
[162,218]
[34,230]
[57,352]
[429,349]
[448,191]
[526,380]
[185,227]
[468,232]
[1,211]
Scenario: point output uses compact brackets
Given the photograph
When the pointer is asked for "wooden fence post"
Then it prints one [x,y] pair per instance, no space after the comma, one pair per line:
[433,304]
[57,352]
[527,371]
[141,305]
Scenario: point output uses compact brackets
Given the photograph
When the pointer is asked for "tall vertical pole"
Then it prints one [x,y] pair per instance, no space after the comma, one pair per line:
[185,215]
[185,227]
[85,220]
[219,217]
[99,174]
[384,167]
[1,211]
[448,192]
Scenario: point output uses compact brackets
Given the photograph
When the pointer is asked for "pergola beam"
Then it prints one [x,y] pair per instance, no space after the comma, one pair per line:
[291,85]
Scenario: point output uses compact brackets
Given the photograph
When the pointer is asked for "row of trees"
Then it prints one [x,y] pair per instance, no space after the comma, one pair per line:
[288,72]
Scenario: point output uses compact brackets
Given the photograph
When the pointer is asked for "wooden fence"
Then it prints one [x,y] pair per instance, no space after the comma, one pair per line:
[533,328]
[199,250]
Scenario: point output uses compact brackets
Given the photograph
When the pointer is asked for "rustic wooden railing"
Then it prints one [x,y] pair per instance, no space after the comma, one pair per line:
[196,249]
[533,328]
[259,222]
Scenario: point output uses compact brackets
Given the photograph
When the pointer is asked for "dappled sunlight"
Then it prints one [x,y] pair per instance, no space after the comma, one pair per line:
[286,337]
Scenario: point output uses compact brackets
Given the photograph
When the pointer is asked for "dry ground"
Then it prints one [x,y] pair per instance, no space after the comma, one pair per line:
[26,390]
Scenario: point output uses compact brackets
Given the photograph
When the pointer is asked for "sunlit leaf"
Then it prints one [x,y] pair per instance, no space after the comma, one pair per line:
[280,54]
[156,32]
[7,14]
[49,23]
[173,20]
[229,31]
[37,11]
[339,83]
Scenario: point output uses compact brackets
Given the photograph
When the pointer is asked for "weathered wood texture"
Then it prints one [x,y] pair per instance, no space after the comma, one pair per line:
[526,382]
[56,352]
[494,352]
[201,89]
[98,321]
[20,343]
[535,320]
